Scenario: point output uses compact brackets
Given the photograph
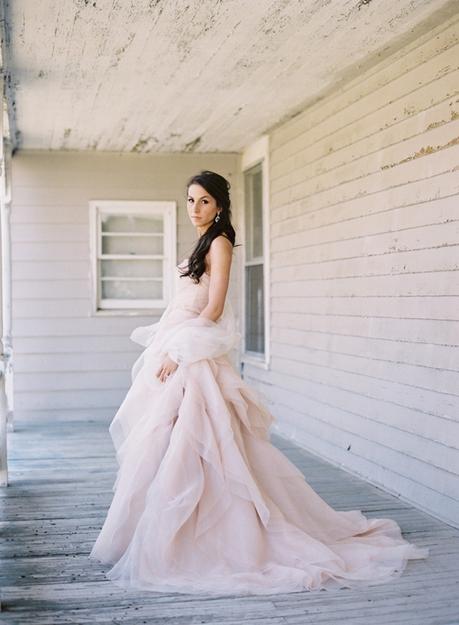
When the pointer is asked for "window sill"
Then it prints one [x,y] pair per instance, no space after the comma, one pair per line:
[256,361]
[129,312]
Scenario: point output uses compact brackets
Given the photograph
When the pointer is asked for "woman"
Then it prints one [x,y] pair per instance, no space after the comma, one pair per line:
[203,502]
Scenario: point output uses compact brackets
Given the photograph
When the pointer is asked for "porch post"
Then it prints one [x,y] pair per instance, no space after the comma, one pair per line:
[4,282]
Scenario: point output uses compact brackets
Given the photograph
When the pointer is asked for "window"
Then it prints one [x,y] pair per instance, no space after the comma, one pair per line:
[254,296]
[256,272]
[133,254]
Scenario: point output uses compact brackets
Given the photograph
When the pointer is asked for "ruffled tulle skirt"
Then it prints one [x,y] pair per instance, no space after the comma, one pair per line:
[205,503]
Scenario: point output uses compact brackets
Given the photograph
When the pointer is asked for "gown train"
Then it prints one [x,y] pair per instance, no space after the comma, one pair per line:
[203,501]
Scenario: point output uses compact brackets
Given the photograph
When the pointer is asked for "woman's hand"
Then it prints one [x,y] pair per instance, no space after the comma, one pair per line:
[168,367]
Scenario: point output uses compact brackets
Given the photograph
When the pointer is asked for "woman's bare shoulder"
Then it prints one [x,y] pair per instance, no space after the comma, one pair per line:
[220,252]
[221,242]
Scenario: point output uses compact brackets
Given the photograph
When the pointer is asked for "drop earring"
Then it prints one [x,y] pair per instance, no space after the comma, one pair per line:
[217,217]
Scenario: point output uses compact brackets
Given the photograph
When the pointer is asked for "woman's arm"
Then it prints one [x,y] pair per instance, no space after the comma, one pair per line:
[219,259]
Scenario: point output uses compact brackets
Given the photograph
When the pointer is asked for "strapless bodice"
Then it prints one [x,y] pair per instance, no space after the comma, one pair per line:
[200,337]
[189,295]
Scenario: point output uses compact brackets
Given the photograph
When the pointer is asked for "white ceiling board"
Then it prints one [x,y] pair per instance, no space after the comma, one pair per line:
[174,76]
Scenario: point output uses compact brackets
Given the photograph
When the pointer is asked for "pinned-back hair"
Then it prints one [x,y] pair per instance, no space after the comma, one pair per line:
[218,187]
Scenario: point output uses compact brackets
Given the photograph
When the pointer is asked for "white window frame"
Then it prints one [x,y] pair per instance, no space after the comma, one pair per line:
[257,152]
[168,210]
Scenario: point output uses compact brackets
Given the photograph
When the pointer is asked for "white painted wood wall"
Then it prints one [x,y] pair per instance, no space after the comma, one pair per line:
[364,276]
[68,363]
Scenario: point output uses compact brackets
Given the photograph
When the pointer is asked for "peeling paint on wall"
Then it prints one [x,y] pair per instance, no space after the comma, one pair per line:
[429,149]
[441,122]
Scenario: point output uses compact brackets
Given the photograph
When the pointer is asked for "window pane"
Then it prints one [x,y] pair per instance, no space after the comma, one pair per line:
[254,309]
[254,212]
[131,223]
[257,215]
[132,268]
[132,289]
[132,245]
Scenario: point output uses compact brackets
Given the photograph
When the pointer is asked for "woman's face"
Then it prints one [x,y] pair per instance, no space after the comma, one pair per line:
[202,207]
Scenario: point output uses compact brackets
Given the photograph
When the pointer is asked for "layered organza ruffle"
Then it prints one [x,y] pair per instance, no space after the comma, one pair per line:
[205,503]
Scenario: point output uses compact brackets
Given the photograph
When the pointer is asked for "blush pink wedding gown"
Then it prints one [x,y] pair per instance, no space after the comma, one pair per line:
[203,501]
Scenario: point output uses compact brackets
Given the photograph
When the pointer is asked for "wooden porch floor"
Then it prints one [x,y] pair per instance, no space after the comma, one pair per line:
[61,478]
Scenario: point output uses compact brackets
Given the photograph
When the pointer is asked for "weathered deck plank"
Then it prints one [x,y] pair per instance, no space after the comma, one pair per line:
[61,480]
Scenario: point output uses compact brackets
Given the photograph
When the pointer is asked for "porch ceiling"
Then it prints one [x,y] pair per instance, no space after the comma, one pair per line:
[177,76]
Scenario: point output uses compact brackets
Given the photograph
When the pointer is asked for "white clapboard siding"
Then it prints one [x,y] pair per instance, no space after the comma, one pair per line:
[68,381]
[364,254]
[68,363]
[406,307]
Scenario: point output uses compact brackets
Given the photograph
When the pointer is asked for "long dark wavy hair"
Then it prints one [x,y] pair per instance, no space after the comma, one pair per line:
[218,187]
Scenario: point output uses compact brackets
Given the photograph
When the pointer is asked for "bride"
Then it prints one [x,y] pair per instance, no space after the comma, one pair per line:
[203,501]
